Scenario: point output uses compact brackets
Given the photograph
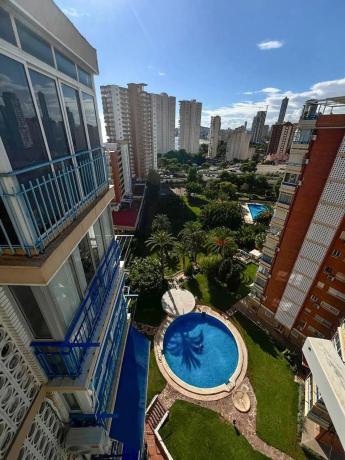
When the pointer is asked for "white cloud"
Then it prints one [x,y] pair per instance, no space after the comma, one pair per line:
[270,44]
[74,13]
[249,92]
[161,74]
[239,112]
[270,90]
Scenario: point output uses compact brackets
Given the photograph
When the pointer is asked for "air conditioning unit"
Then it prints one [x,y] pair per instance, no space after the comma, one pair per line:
[88,440]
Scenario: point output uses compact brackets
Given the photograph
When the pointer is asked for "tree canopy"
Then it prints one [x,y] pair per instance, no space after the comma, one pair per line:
[145,275]
[225,214]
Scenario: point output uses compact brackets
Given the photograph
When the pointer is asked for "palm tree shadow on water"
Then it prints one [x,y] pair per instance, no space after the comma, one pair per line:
[189,347]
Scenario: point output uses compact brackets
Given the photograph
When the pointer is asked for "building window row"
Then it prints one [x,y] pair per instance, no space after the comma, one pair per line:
[323,321]
[285,198]
[33,44]
[67,288]
[24,140]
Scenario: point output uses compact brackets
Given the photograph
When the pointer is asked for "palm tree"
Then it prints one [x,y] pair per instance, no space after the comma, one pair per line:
[182,250]
[161,222]
[162,242]
[221,242]
[193,237]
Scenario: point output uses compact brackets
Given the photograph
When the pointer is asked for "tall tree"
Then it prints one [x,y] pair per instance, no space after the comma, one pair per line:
[162,242]
[221,241]
[227,214]
[161,222]
[193,237]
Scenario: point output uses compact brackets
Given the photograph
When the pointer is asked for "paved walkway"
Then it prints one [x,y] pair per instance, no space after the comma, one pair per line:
[246,423]
[153,448]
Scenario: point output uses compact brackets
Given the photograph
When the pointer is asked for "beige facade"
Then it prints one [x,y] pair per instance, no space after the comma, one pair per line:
[214,136]
[163,123]
[237,146]
[190,119]
[128,117]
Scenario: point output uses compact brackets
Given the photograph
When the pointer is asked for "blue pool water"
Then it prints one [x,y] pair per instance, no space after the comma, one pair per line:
[200,350]
[255,209]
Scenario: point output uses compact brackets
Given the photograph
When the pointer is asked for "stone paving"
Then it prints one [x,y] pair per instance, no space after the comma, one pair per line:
[245,423]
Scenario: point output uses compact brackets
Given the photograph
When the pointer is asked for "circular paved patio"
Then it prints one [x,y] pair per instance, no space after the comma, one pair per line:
[176,302]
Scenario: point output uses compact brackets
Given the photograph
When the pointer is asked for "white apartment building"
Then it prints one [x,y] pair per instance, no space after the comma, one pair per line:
[66,339]
[258,127]
[190,120]
[128,117]
[237,146]
[214,136]
[163,123]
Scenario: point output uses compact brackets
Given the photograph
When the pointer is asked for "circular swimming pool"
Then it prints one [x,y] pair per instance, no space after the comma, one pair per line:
[200,350]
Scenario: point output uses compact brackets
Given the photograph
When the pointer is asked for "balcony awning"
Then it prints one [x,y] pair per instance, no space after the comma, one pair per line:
[329,375]
[129,412]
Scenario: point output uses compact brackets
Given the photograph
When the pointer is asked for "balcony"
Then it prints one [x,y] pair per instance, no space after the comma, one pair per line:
[65,358]
[40,201]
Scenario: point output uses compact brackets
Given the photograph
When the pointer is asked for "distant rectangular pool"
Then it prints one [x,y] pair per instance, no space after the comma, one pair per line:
[255,209]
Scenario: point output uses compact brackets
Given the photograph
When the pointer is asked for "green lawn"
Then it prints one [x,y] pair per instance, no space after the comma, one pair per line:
[275,390]
[195,204]
[156,381]
[210,293]
[195,433]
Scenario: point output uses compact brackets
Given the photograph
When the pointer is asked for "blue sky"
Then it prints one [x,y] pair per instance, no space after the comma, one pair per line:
[233,56]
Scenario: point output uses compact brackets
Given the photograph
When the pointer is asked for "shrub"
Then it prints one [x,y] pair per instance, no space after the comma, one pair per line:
[227,214]
[209,265]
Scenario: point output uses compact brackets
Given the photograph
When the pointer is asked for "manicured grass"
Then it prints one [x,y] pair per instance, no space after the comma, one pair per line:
[195,204]
[211,293]
[156,381]
[195,433]
[275,390]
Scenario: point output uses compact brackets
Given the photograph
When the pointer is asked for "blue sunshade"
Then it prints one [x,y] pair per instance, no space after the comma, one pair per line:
[129,411]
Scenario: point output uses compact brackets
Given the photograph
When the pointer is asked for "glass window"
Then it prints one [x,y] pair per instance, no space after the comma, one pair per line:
[79,269]
[64,290]
[35,45]
[31,311]
[51,115]
[6,31]
[84,77]
[65,65]
[75,119]
[91,120]
[99,238]
[86,259]
[7,223]
[71,401]
[94,245]
[19,128]
[107,228]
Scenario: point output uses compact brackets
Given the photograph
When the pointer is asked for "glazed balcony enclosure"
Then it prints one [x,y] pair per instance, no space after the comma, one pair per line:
[66,358]
[38,202]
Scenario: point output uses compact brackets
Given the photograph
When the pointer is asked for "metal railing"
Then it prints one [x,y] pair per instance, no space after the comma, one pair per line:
[42,199]
[65,358]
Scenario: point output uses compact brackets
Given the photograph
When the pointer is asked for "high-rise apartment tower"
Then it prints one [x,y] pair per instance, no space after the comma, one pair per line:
[163,123]
[190,119]
[282,111]
[257,130]
[128,117]
[300,284]
[214,136]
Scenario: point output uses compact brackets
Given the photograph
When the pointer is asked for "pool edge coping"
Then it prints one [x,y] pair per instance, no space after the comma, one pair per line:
[206,394]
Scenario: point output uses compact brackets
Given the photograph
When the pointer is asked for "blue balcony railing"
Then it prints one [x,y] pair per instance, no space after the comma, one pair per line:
[104,376]
[41,200]
[65,358]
